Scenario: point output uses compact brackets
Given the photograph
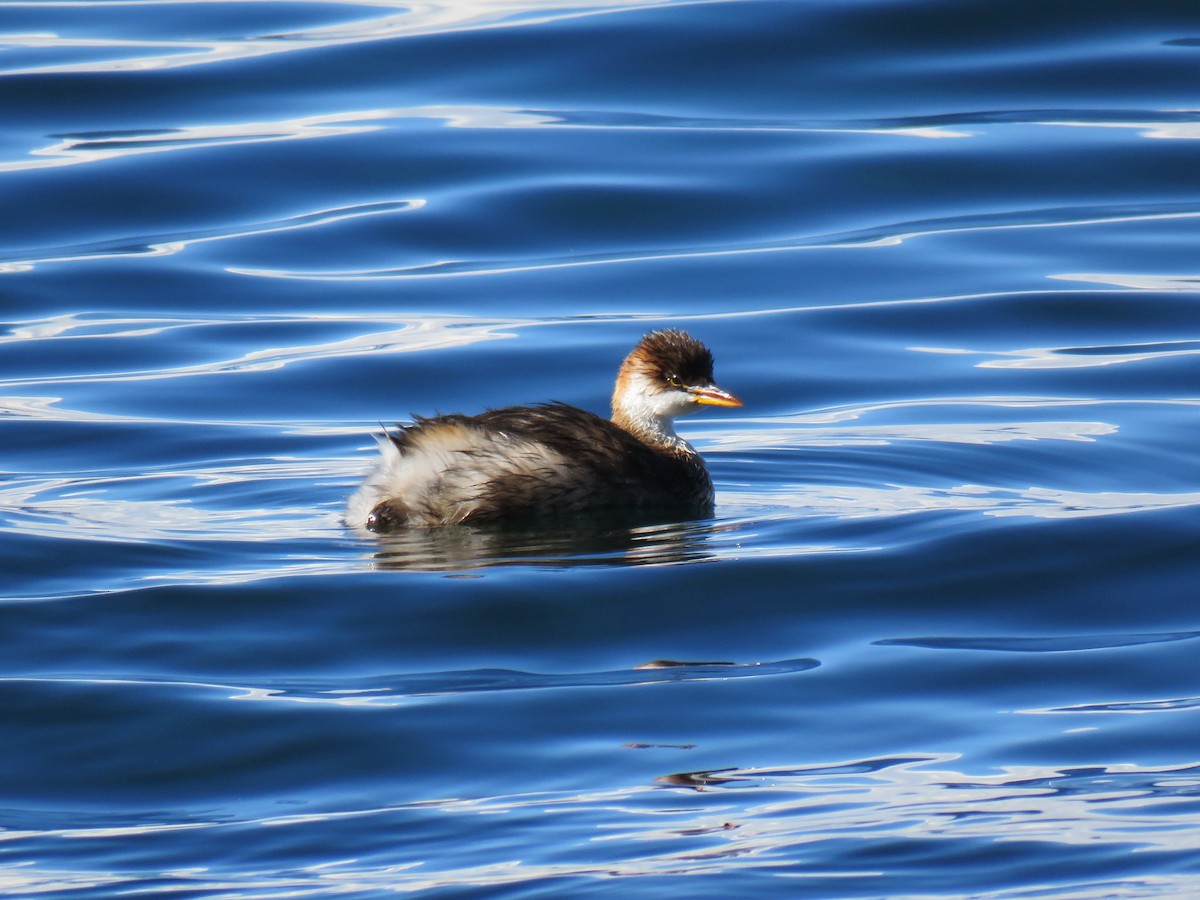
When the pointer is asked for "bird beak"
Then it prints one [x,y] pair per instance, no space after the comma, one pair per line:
[711,395]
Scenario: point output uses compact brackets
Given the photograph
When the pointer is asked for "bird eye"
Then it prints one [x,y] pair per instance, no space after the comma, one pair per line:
[674,381]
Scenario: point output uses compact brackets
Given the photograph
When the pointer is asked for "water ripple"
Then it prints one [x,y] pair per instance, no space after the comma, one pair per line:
[395,690]
[1184,284]
[875,236]
[170,244]
[105,146]
[1152,123]
[1134,707]
[414,20]
[240,232]
[170,504]
[415,333]
[1058,644]
[809,823]
[1079,357]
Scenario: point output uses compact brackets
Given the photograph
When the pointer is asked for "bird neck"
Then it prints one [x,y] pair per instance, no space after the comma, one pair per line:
[658,433]
[639,409]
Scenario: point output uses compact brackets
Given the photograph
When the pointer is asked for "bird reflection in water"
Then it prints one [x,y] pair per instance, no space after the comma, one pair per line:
[608,539]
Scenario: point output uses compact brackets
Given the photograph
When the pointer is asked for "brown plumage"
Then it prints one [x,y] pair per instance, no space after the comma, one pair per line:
[528,461]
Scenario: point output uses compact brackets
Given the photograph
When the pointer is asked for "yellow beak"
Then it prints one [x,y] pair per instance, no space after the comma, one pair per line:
[711,395]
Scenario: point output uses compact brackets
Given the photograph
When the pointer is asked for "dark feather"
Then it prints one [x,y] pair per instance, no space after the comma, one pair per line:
[675,353]
[607,468]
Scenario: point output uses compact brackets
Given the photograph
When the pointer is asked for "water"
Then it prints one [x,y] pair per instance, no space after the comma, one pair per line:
[939,638]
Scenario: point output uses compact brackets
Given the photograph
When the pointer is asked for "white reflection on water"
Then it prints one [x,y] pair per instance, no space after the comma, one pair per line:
[131,507]
[413,19]
[1148,128]
[866,502]
[91,148]
[28,879]
[1078,357]
[415,333]
[1186,284]
[76,149]
[1124,707]
[47,408]
[810,818]
[168,245]
[406,688]
[881,236]
[784,432]
[880,494]
[851,413]
[1060,504]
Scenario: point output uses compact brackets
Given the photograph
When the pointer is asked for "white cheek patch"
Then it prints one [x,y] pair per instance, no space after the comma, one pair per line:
[649,410]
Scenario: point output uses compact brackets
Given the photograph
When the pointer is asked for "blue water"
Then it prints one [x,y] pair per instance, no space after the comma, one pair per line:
[939,639]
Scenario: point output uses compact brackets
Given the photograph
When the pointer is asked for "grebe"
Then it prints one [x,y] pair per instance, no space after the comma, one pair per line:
[553,459]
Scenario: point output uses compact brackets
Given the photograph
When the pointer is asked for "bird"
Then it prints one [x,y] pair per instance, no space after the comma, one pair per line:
[552,459]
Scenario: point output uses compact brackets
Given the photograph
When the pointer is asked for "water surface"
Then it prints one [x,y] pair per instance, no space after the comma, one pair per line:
[938,638]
